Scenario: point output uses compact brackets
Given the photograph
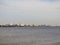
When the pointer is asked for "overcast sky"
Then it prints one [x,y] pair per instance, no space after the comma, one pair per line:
[30,12]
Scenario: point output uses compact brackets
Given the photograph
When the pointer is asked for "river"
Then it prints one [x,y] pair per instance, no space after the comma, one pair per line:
[29,36]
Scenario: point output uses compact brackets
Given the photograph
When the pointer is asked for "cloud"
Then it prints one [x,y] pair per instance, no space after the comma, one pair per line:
[37,11]
[12,5]
[32,5]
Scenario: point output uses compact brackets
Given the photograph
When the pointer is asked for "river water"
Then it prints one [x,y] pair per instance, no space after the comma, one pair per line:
[29,36]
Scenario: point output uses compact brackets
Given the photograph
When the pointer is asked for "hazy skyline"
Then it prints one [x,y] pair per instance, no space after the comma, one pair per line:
[30,12]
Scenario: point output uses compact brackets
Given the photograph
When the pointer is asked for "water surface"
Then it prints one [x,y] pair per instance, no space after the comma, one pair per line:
[29,36]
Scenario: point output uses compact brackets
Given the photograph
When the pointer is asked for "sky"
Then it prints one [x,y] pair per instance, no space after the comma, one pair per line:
[30,12]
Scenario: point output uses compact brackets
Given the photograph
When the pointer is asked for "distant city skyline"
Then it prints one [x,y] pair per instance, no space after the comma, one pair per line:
[30,12]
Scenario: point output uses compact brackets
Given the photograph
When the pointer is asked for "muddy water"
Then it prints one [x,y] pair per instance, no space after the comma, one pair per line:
[29,36]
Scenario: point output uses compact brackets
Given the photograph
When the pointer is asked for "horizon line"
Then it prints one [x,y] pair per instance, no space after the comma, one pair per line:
[30,24]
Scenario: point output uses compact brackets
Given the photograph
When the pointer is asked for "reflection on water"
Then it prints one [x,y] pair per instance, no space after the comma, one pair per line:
[29,36]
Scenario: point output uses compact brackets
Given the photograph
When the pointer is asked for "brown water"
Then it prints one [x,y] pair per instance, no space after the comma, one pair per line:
[29,36]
